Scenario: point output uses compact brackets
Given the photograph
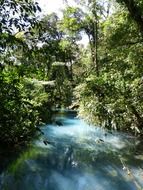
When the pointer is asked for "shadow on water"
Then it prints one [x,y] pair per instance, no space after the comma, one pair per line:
[79,157]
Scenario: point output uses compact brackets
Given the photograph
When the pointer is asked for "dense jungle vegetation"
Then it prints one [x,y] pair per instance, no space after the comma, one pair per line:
[44,66]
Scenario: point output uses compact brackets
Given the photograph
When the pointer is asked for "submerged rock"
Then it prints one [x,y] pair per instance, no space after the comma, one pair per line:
[59,123]
[46,142]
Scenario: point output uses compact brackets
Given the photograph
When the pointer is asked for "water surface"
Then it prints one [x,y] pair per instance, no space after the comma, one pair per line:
[79,157]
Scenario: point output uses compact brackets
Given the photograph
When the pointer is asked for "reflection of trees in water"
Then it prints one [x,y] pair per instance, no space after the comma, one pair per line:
[53,169]
[55,165]
[61,161]
[7,157]
[68,158]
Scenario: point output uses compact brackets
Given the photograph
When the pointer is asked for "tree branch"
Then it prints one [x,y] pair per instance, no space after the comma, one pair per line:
[135,12]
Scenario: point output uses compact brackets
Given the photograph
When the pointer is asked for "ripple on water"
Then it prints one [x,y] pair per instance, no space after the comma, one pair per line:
[79,157]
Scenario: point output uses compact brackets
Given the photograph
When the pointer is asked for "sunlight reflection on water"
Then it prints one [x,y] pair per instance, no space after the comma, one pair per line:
[79,157]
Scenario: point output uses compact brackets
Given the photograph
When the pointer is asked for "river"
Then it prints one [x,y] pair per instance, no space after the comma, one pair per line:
[75,156]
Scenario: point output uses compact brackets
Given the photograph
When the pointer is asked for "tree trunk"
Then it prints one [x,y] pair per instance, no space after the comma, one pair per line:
[96,47]
[94,39]
[135,12]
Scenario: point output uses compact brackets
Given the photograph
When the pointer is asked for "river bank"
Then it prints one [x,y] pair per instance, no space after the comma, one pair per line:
[79,157]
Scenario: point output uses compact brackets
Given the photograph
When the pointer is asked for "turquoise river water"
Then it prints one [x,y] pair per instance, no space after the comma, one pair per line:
[77,156]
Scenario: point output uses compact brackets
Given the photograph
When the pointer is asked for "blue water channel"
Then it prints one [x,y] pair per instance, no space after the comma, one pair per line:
[76,156]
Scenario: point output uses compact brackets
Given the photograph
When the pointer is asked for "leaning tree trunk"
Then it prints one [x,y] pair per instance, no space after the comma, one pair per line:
[135,12]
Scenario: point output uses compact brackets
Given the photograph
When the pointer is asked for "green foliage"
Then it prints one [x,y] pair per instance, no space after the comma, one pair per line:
[16,16]
[62,93]
[72,20]
[105,102]
[20,101]
[114,98]
[135,9]
[41,62]
[26,68]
